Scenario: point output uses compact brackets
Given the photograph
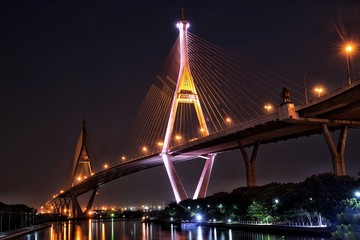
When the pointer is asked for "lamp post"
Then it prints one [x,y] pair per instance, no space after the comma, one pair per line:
[319,90]
[228,121]
[349,48]
[305,88]
[268,108]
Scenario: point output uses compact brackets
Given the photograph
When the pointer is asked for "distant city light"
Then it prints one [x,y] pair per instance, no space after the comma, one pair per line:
[357,194]
[198,217]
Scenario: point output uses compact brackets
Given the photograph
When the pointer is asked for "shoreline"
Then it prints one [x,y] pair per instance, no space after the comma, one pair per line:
[23,231]
[273,229]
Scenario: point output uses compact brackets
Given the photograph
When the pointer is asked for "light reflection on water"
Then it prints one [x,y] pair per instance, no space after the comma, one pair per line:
[114,229]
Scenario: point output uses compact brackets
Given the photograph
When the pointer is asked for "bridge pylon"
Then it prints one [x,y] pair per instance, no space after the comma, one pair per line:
[81,170]
[82,167]
[185,93]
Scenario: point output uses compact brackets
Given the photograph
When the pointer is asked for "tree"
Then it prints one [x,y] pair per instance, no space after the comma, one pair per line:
[348,226]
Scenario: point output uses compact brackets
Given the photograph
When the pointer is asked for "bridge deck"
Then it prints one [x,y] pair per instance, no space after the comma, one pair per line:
[340,107]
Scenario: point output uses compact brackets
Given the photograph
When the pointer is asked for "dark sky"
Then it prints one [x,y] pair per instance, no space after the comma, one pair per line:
[62,61]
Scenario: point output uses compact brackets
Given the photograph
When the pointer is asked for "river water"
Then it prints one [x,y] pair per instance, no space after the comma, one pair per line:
[128,230]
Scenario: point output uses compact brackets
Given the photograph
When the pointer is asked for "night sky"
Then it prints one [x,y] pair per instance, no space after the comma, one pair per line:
[63,61]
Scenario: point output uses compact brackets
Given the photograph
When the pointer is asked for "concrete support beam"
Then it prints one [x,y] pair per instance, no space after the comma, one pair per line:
[91,200]
[250,164]
[175,181]
[337,153]
[77,211]
[203,183]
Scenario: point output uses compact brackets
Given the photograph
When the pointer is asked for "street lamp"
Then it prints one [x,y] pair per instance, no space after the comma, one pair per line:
[178,138]
[357,194]
[228,121]
[319,91]
[349,48]
[305,88]
[160,145]
[268,108]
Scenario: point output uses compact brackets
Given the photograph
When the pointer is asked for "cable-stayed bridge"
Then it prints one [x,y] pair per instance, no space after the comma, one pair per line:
[206,101]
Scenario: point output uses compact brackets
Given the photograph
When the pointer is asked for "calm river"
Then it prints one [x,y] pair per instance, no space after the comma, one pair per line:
[126,230]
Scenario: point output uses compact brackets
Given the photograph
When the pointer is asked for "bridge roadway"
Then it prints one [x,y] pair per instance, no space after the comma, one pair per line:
[335,109]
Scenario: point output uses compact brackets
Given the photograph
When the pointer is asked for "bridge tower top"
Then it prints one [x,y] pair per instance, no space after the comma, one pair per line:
[185,91]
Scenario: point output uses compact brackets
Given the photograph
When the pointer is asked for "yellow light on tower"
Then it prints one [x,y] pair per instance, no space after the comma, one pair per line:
[79,178]
[160,144]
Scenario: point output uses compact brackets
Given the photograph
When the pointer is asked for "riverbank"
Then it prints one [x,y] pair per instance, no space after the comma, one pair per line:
[23,231]
[275,229]
[271,229]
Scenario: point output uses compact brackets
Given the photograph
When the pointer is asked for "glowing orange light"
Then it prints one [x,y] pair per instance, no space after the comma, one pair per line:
[144,149]
[123,158]
[61,191]
[177,137]
[268,108]
[79,178]
[160,144]
[228,120]
[349,48]
[319,91]
[202,130]
[106,166]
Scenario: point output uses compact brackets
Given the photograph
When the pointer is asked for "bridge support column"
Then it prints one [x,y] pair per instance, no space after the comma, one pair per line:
[203,184]
[337,153]
[77,211]
[250,164]
[175,181]
[91,200]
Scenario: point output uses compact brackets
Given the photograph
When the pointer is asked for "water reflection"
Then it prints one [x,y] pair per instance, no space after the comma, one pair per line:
[114,229]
